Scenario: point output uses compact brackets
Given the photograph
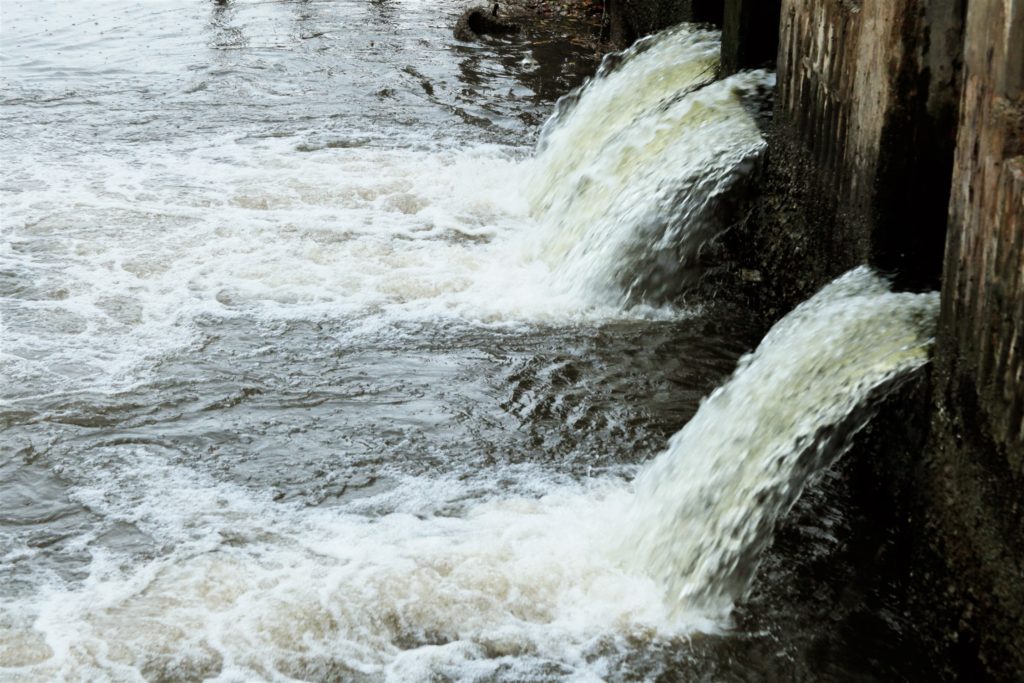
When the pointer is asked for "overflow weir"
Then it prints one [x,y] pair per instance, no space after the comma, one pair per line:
[898,141]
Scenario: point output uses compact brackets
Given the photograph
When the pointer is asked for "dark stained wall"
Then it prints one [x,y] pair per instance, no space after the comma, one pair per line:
[860,148]
[632,19]
[860,88]
[749,38]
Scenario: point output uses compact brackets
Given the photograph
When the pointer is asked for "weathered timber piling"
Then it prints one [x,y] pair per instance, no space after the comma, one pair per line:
[861,148]
[976,465]
[983,286]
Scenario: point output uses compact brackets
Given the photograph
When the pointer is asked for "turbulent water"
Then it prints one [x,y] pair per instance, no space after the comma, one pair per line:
[315,370]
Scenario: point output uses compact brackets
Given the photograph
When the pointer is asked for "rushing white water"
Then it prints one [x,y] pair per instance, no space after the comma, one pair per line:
[158,266]
[118,269]
[636,171]
[255,590]
[706,508]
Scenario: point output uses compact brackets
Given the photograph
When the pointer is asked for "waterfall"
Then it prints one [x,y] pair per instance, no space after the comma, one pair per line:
[705,508]
[641,167]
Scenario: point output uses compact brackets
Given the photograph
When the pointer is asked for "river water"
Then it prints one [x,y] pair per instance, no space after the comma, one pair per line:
[314,369]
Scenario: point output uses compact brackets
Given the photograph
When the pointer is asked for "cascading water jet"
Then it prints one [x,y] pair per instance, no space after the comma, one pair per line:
[642,167]
[705,509]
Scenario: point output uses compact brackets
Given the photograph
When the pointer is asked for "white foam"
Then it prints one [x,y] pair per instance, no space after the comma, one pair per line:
[246,589]
[114,272]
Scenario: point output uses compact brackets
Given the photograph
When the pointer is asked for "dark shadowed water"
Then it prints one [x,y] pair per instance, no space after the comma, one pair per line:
[283,398]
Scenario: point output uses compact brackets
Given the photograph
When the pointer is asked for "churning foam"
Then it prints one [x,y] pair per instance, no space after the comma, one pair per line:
[253,590]
[108,273]
[239,587]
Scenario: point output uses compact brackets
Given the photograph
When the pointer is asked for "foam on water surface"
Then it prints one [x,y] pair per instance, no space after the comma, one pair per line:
[124,265]
[257,590]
